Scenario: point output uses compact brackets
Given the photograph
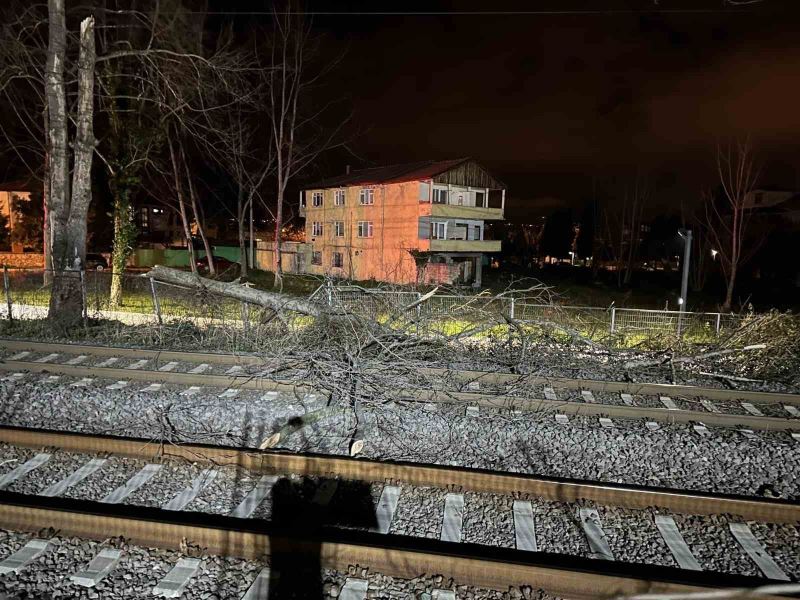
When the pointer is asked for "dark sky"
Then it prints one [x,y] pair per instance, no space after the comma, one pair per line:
[549,101]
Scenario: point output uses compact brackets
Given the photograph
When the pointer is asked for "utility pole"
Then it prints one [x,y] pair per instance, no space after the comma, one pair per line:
[686,234]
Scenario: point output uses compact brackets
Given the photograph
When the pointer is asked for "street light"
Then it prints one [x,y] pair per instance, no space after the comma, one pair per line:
[686,234]
[714,253]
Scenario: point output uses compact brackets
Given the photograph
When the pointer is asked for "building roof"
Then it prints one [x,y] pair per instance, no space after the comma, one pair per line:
[391,174]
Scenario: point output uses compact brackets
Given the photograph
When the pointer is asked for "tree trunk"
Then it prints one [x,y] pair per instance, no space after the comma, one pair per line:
[187,232]
[271,300]
[69,231]
[240,216]
[278,283]
[729,292]
[46,244]
[196,213]
[124,236]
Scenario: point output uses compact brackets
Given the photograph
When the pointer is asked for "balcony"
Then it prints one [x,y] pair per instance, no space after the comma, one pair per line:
[454,211]
[465,245]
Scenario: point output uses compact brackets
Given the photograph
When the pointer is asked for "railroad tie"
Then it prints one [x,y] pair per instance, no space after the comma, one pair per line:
[118,385]
[524,528]
[259,589]
[751,408]
[627,399]
[387,504]
[324,492]
[562,419]
[550,393]
[82,473]
[229,393]
[255,497]
[668,403]
[749,434]
[52,378]
[652,426]
[20,355]
[598,544]
[453,518]
[234,370]
[24,556]
[190,391]
[702,430]
[139,364]
[354,589]
[22,470]
[100,566]
[473,411]
[85,382]
[174,582]
[153,387]
[588,396]
[754,549]
[185,496]
[443,595]
[170,366]
[792,410]
[677,545]
[76,360]
[49,358]
[709,406]
[606,423]
[201,368]
[134,483]
[108,362]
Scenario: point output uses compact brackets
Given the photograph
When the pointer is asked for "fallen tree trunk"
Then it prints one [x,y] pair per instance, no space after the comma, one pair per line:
[271,300]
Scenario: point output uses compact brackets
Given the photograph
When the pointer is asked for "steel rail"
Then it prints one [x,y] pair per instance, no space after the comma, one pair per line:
[495,378]
[440,476]
[538,405]
[397,556]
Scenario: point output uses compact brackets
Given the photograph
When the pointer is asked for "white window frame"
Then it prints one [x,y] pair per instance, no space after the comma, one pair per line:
[435,228]
[365,227]
[366,197]
[339,197]
[333,260]
[317,198]
[440,192]
[338,229]
[316,228]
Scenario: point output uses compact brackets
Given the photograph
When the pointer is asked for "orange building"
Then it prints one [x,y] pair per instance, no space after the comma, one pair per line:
[414,223]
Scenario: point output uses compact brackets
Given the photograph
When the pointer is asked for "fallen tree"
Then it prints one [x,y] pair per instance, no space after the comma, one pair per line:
[270,300]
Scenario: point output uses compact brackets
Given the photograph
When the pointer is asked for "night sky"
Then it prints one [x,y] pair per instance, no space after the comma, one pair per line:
[554,102]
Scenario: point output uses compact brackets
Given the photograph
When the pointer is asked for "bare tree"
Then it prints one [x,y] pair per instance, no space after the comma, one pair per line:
[623,229]
[728,217]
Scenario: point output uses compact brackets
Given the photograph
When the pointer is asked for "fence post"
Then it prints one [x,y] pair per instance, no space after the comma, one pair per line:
[329,292]
[156,303]
[613,319]
[84,305]
[7,289]
[719,318]
[245,316]
[512,309]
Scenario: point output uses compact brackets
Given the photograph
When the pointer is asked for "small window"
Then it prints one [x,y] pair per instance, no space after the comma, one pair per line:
[338,198]
[316,199]
[365,229]
[439,196]
[316,228]
[367,196]
[461,199]
[337,260]
[479,199]
[338,228]
[439,230]
[316,257]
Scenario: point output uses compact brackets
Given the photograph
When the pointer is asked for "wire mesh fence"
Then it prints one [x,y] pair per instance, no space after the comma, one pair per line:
[136,299]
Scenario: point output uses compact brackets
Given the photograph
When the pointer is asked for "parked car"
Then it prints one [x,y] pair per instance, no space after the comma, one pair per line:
[221,264]
[96,262]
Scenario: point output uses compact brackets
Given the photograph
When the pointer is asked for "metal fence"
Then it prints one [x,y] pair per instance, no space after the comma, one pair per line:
[143,300]
[621,324]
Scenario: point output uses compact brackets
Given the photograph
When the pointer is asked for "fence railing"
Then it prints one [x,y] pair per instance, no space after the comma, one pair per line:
[143,300]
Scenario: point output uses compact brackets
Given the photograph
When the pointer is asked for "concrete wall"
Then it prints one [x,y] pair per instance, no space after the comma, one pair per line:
[177,257]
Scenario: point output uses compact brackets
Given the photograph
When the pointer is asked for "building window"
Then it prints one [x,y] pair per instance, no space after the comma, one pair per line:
[338,228]
[316,257]
[461,199]
[439,230]
[145,219]
[367,196]
[479,199]
[316,228]
[439,196]
[365,229]
[338,198]
[316,199]
[337,260]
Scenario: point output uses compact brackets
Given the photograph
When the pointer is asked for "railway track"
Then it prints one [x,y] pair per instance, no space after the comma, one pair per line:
[652,402]
[340,544]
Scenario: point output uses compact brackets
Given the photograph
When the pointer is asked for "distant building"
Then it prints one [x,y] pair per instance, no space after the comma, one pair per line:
[413,223]
[10,193]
